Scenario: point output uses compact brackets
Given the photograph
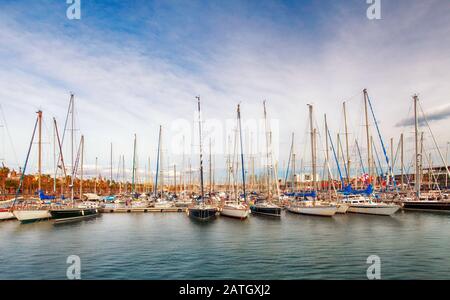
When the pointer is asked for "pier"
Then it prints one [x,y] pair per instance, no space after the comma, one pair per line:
[143,210]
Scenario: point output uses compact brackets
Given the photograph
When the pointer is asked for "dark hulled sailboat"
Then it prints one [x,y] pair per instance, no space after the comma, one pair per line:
[265,206]
[73,212]
[201,211]
[419,204]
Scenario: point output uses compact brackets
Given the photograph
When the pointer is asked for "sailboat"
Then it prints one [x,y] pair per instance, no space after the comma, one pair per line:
[361,202]
[161,201]
[419,203]
[201,210]
[236,209]
[74,211]
[311,206]
[264,206]
[5,211]
[33,209]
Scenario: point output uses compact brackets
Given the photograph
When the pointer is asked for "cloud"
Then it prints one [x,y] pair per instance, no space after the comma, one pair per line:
[437,114]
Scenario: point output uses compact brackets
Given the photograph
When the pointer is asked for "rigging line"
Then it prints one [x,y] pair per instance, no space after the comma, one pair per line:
[434,140]
[22,176]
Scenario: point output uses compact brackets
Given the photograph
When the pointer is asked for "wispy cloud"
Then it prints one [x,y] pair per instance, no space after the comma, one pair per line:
[436,114]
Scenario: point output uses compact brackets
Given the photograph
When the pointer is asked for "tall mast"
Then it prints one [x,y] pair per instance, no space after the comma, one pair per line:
[175,177]
[111,169]
[392,157]
[55,163]
[72,148]
[267,149]
[242,151]
[82,167]
[401,160]
[96,175]
[134,165]
[327,156]
[313,157]
[200,147]
[210,168]
[416,137]
[183,170]
[123,174]
[369,158]
[39,113]
[291,152]
[294,182]
[346,144]
[157,162]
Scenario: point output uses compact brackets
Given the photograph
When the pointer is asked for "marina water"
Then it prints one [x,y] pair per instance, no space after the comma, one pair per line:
[411,245]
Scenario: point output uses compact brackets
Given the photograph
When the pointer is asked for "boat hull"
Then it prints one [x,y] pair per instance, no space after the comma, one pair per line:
[441,206]
[342,208]
[67,215]
[26,216]
[6,215]
[319,211]
[379,210]
[232,212]
[266,211]
[202,213]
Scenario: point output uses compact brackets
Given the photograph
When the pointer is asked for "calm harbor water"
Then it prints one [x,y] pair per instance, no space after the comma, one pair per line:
[411,245]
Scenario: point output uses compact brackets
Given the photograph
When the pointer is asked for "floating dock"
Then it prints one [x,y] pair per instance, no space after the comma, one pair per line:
[143,210]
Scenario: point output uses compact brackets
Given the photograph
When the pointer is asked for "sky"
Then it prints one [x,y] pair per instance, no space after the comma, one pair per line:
[136,65]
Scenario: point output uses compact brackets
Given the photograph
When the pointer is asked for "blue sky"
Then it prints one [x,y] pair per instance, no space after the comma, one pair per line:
[136,64]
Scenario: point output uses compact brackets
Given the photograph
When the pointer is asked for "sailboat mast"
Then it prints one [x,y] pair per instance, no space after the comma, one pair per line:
[210,168]
[175,178]
[96,175]
[327,155]
[39,113]
[346,144]
[242,151]
[401,158]
[157,162]
[267,149]
[200,146]
[82,167]
[134,165]
[313,157]
[111,168]
[416,138]
[55,163]
[71,147]
[369,159]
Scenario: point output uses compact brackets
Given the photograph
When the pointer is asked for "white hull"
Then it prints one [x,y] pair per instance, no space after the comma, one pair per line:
[6,215]
[321,211]
[235,212]
[32,215]
[342,208]
[381,210]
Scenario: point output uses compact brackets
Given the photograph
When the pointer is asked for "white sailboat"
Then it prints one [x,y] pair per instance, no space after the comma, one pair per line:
[364,205]
[312,207]
[6,214]
[309,207]
[34,211]
[235,209]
